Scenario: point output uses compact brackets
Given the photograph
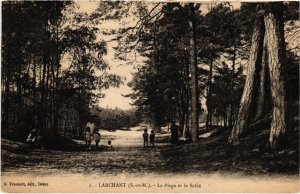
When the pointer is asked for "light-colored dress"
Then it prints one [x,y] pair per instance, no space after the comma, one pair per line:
[91,126]
[88,136]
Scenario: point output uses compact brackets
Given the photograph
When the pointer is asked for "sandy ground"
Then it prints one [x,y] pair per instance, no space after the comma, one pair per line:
[130,163]
[132,138]
[128,154]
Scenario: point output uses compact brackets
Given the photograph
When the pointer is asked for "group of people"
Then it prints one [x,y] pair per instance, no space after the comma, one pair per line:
[174,136]
[146,138]
[90,134]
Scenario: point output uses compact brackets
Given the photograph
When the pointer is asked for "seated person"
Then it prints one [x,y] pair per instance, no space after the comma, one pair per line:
[34,138]
[109,146]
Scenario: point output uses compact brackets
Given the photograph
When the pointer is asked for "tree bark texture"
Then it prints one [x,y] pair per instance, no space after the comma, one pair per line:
[264,91]
[194,81]
[246,104]
[276,60]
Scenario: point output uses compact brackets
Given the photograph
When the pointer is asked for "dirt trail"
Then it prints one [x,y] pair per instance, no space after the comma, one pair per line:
[128,156]
[209,162]
[209,155]
[132,138]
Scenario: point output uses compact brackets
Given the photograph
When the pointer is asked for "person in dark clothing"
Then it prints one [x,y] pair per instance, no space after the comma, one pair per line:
[145,136]
[96,137]
[34,138]
[109,146]
[152,137]
[174,133]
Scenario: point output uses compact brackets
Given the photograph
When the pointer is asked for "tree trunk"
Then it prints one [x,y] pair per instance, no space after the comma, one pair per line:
[232,87]
[6,99]
[260,108]
[181,110]
[246,104]
[187,112]
[194,81]
[276,58]
[56,89]
[43,124]
[42,108]
[187,98]
[208,99]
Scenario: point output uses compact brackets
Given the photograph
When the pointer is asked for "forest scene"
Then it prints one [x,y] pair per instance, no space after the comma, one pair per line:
[207,87]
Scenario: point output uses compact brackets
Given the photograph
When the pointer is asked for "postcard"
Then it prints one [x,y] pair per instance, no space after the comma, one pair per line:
[150,96]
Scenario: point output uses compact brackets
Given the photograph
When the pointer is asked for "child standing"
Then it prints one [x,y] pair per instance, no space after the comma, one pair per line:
[145,136]
[96,137]
[87,138]
[152,137]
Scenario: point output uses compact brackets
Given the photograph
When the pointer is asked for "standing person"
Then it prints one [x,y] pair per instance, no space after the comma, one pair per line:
[96,137]
[145,136]
[91,125]
[174,133]
[87,138]
[152,137]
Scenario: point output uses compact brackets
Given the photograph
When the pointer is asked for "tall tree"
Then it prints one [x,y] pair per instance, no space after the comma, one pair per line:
[194,75]
[276,52]
[256,50]
[269,28]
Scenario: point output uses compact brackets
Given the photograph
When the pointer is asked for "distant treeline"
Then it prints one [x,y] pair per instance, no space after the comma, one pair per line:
[113,119]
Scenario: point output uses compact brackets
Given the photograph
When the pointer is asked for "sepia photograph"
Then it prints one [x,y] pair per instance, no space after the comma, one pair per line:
[150,96]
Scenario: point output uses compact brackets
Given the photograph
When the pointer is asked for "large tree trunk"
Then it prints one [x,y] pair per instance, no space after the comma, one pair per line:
[276,60]
[271,73]
[194,80]
[246,104]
